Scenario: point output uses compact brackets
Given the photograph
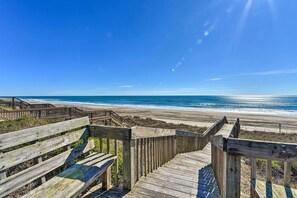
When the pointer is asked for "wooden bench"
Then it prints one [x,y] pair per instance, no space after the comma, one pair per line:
[37,144]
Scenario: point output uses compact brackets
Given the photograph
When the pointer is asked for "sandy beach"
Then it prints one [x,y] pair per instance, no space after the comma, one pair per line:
[249,122]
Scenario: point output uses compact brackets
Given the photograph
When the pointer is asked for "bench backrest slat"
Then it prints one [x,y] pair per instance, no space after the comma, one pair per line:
[22,178]
[15,157]
[8,140]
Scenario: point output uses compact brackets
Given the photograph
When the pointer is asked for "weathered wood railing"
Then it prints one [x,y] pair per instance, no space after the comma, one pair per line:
[269,151]
[144,149]
[226,158]
[190,141]
[152,148]
[120,139]
[62,112]
[226,167]
[37,113]
[17,102]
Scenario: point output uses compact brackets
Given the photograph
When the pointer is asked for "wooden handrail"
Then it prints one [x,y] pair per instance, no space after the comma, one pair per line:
[226,154]
[277,151]
[226,166]
[14,101]
[51,112]
[190,141]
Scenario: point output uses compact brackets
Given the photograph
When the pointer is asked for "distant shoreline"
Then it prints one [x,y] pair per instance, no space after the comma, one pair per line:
[251,122]
[250,111]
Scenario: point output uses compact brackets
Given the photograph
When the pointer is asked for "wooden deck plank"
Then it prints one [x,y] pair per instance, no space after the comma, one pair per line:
[150,193]
[182,177]
[161,189]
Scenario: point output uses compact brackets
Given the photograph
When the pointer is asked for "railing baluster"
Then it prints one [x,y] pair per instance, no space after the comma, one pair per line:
[101,145]
[268,170]
[138,159]
[108,145]
[253,175]
[141,157]
[149,155]
[145,156]
[287,173]
[116,163]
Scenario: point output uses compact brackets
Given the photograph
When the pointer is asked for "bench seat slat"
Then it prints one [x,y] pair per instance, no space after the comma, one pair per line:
[22,178]
[8,140]
[18,156]
[74,179]
[264,189]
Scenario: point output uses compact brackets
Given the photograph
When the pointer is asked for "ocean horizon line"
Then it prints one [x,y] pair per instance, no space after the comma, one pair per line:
[263,106]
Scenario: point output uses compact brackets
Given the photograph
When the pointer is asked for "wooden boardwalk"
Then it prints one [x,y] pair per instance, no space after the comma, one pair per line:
[186,175]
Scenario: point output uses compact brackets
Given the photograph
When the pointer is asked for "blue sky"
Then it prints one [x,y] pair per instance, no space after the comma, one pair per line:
[170,47]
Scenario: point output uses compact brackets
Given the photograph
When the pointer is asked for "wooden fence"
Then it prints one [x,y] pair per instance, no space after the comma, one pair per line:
[190,141]
[62,113]
[226,160]
[15,102]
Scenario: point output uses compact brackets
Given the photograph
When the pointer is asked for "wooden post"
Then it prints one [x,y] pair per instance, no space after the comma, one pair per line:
[101,145]
[13,102]
[280,128]
[232,176]
[149,154]
[138,150]
[108,145]
[145,156]
[106,179]
[165,153]
[253,175]
[141,157]
[238,129]
[268,171]
[287,173]
[174,145]
[128,164]
[91,116]
[116,163]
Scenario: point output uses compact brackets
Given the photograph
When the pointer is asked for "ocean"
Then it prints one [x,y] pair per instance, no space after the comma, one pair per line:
[277,105]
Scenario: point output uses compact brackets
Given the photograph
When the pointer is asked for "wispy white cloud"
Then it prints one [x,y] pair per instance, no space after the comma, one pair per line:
[271,72]
[215,79]
[263,73]
[126,86]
